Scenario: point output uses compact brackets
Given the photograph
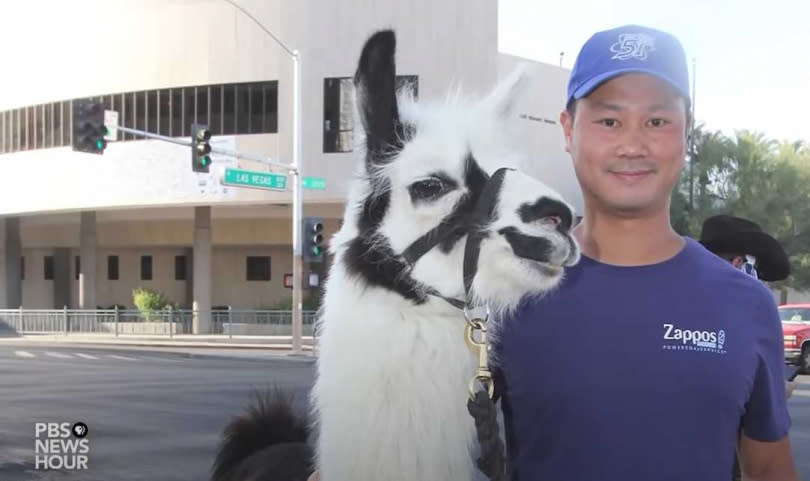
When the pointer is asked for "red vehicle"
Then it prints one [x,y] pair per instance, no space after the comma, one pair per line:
[796,330]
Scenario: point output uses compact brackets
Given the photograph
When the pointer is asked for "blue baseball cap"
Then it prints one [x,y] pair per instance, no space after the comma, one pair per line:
[625,49]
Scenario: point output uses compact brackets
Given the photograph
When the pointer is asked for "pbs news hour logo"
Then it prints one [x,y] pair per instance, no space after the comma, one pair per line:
[62,446]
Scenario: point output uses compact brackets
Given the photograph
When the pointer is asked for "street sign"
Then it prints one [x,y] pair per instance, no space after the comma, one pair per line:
[255,180]
[314,183]
[111,122]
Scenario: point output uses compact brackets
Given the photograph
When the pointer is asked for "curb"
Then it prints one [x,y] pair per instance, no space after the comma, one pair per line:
[226,344]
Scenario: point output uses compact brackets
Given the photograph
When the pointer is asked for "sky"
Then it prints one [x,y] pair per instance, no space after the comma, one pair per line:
[751,58]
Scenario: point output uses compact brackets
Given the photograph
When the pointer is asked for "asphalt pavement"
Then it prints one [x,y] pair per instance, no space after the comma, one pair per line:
[151,415]
[157,414]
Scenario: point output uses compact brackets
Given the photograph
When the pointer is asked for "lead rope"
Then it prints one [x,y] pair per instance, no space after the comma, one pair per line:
[481,406]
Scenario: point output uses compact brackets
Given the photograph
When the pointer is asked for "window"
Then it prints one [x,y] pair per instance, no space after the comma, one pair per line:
[47,126]
[243,108]
[57,124]
[177,112]
[202,105]
[48,268]
[30,129]
[146,268]
[125,116]
[215,110]
[112,268]
[229,110]
[164,117]
[258,268]
[180,268]
[139,111]
[256,108]
[78,266]
[190,107]
[3,135]
[338,122]
[67,122]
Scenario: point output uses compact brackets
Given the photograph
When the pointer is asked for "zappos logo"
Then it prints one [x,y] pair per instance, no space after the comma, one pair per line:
[694,339]
[632,45]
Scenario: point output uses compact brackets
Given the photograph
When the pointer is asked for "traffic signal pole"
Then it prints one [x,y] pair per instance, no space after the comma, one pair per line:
[214,150]
[295,170]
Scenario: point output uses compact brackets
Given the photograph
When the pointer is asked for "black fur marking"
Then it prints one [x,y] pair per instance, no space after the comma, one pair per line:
[371,257]
[545,207]
[375,84]
[475,179]
[268,442]
[528,247]
[374,208]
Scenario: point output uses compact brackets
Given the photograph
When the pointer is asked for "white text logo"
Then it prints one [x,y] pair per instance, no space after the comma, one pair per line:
[61,446]
[694,339]
[632,45]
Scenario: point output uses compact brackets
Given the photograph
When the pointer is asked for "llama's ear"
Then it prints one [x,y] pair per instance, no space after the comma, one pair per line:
[505,98]
[375,90]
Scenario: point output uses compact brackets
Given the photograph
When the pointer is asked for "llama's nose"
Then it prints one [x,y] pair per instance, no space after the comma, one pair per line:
[559,219]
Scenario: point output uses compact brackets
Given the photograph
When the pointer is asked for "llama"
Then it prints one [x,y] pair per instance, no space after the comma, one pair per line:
[393,366]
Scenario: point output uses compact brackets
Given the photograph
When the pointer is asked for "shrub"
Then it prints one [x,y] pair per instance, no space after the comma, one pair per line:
[149,300]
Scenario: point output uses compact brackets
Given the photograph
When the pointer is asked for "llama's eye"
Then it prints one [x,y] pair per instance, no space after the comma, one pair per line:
[427,189]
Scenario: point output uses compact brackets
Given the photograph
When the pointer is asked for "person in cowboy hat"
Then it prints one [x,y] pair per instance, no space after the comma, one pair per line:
[748,248]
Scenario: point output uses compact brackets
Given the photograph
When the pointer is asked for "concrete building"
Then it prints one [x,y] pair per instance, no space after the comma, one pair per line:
[83,230]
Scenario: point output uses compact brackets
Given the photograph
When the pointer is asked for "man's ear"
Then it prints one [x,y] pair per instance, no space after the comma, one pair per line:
[567,122]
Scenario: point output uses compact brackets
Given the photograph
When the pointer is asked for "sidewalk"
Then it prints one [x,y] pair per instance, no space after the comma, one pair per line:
[183,340]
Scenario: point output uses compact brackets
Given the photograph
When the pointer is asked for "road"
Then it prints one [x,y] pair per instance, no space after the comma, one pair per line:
[151,415]
[157,414]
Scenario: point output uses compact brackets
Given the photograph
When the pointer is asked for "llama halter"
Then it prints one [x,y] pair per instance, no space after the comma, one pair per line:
[480,407]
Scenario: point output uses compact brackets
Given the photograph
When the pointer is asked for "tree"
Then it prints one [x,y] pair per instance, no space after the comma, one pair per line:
[750,176]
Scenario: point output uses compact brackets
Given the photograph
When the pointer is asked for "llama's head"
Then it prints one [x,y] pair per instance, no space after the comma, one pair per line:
[434,175]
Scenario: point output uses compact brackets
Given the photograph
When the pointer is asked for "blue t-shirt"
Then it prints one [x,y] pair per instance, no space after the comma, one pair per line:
[641,373]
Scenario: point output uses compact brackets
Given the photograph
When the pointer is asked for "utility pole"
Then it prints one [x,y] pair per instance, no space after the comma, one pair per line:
[298,267]
[295,170]
[692,156]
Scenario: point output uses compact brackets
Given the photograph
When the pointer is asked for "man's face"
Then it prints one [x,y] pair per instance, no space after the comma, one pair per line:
[627,140]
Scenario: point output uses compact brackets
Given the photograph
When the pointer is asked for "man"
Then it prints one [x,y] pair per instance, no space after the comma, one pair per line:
[653,352]
[748,248]
[741,241]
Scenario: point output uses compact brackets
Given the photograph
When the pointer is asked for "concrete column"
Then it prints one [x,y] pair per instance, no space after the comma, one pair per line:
[13,252]
[202,270]
[61,277]
[189,253]
[88,242]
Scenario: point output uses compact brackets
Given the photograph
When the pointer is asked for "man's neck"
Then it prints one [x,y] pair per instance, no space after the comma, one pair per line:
[627,241]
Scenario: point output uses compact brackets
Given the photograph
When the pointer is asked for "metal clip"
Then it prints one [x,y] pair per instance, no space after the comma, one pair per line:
[482,374]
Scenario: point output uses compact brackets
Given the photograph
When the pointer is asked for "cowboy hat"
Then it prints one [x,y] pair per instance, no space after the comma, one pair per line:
[723,234]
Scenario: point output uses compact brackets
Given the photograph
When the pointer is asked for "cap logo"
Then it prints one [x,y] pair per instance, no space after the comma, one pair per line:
[632,45]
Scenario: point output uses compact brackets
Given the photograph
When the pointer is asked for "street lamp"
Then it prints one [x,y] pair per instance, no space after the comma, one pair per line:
[295,171]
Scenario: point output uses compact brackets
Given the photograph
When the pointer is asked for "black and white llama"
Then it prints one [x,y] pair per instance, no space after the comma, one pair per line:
[389,402]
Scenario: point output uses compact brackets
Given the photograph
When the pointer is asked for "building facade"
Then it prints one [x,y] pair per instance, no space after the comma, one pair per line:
[83,230]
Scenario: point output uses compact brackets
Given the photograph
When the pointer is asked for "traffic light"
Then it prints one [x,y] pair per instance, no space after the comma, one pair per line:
[88,127]
[200,148]
[312,232]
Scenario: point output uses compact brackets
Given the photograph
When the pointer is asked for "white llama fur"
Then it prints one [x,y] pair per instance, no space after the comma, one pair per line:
[392,375]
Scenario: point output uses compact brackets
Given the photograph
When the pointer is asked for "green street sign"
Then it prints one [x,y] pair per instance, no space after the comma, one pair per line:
[314,183]
[255,180]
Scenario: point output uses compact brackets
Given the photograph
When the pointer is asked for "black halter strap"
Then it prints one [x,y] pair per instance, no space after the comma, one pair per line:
[491,459]
[482,214]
